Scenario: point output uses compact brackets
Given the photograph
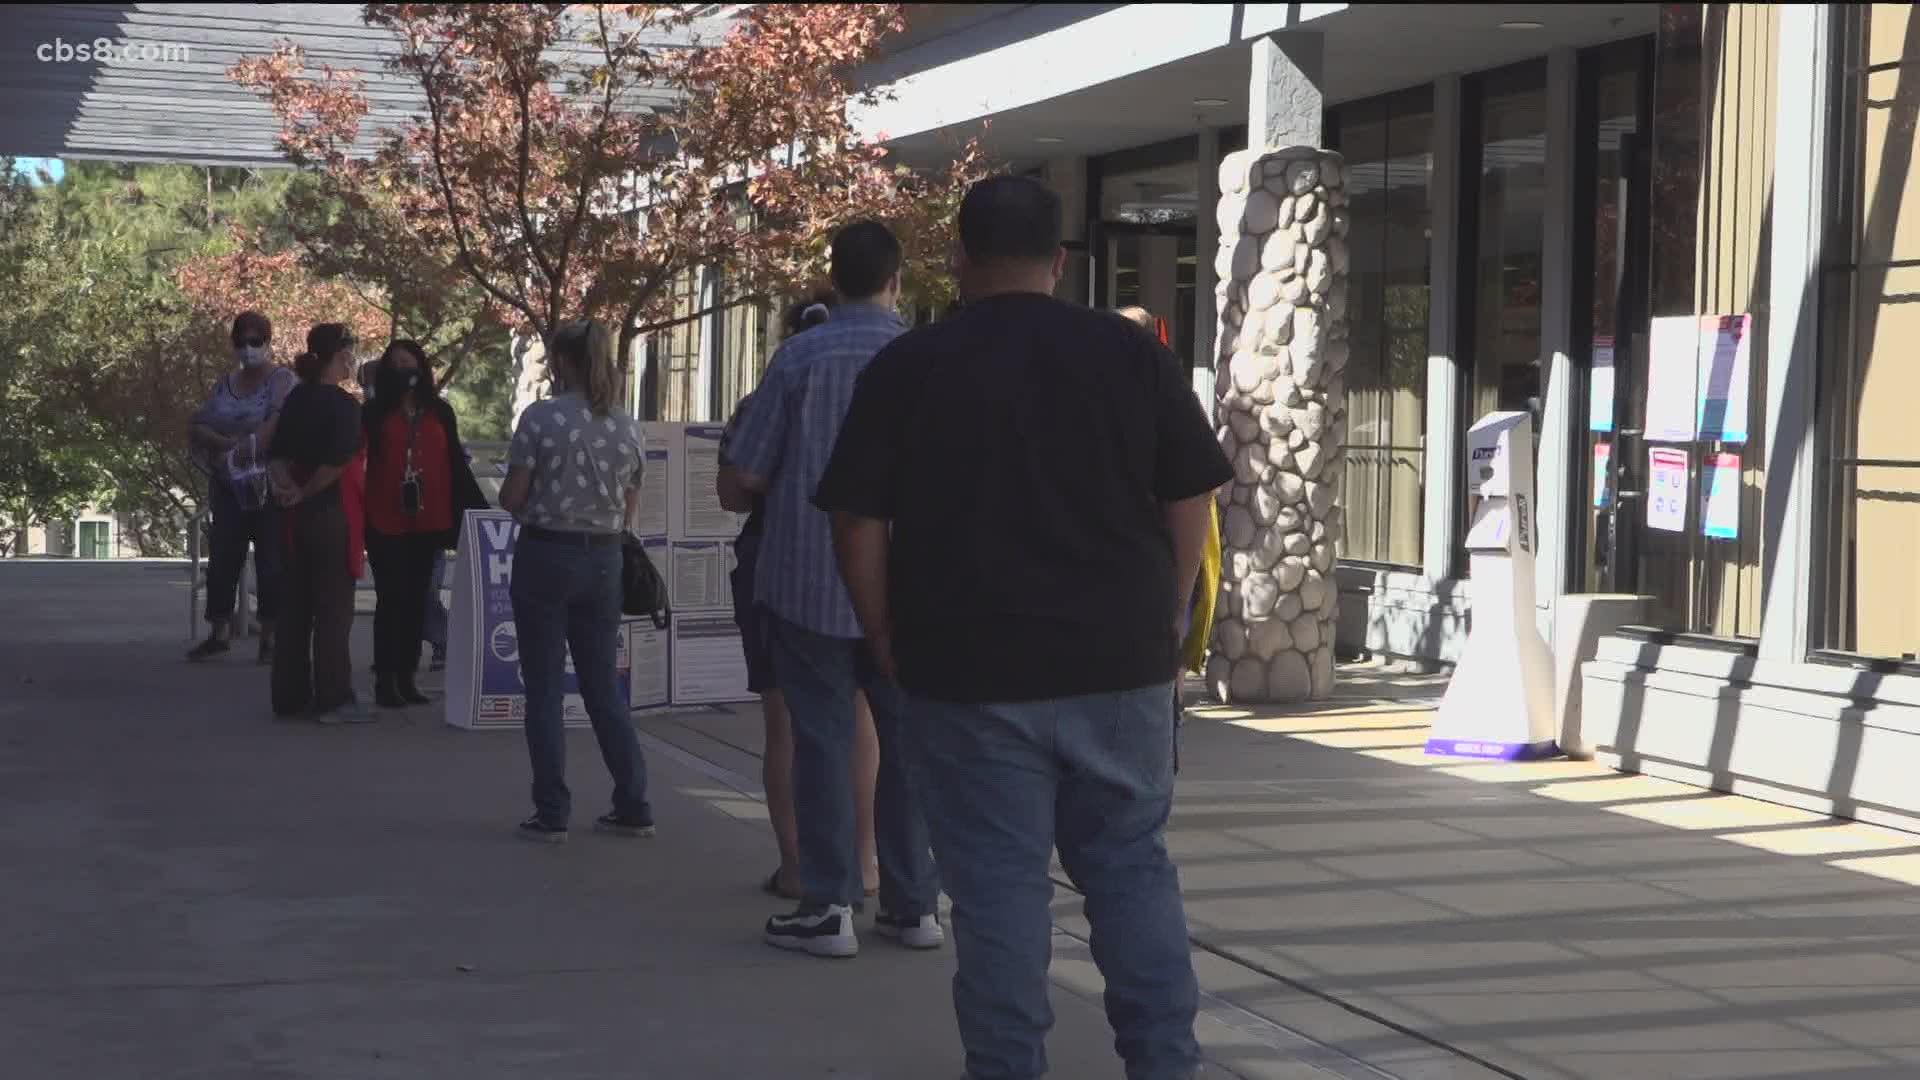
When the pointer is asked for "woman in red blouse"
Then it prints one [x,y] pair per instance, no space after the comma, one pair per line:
[419,486]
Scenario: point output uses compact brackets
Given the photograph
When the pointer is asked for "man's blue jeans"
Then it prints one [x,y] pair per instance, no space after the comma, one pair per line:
[1004,785]
[818,674]
[569,596]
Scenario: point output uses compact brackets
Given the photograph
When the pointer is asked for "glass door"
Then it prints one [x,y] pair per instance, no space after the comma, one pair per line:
[1152,267]
[95,540]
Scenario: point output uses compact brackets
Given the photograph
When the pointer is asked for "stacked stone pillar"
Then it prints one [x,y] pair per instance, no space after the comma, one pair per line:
[1282,340]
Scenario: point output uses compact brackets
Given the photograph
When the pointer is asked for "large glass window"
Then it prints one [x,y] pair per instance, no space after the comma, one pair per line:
[1611,175]
[676,354]
[1710,217]
[1388,145]
[1503,233]
[1508,170]
[1870,381]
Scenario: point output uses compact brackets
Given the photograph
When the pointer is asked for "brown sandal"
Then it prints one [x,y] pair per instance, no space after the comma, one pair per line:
[771,887]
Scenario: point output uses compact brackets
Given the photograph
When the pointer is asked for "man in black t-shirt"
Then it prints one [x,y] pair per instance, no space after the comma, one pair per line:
[1019,499]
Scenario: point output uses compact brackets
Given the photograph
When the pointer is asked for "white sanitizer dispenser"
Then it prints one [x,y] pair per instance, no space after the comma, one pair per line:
[1500,702]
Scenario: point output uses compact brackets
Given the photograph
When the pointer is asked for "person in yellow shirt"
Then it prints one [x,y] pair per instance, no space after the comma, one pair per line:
[1193,650]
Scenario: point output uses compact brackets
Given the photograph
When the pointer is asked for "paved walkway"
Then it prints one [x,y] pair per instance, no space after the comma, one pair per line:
[196,891]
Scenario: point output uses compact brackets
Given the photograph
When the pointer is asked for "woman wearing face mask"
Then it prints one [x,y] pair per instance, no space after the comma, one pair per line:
[317,471]
[229,438]
[419,486]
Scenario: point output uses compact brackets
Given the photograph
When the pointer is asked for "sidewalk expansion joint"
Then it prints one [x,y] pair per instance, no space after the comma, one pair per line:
[1327,1058]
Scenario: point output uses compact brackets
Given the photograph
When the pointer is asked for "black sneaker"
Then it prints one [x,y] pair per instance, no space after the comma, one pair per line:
[824,932]
[615,825]
[541,831]
[439,661]
[922,932]
[208,649]
[266,652]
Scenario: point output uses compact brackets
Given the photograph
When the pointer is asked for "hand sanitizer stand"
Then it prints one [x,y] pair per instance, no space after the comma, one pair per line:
[1500,702]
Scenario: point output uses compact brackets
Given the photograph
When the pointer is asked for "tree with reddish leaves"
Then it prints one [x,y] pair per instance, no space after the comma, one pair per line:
[576,159]
[245,276]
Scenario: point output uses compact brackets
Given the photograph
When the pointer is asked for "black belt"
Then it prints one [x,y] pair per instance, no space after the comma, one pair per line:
[570,539]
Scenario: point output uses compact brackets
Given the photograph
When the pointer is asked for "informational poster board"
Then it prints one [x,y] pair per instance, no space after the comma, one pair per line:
[697,660]
[660,489]
[708,664]
[702,575]
[1721,517]
[1667,489]
[701,515]
[1673,377]
[485,687]
[1600,386]
[1726,364]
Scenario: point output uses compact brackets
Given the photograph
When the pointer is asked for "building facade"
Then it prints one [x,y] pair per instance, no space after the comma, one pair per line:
[1539,193]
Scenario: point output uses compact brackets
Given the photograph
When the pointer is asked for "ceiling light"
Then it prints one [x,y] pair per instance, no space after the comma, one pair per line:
[1209,102]
[1048,139]
[1523,24]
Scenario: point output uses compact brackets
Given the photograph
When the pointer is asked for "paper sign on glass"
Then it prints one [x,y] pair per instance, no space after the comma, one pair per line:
[1673,376]
[1726,361]
[1600,386]
[1723,497]
[1602,459]
[1667,489]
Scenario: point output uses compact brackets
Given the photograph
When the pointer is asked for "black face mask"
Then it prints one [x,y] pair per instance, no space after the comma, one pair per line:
[392,383]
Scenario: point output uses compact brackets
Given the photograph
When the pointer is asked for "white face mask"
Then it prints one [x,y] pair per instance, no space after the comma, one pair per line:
[253,356]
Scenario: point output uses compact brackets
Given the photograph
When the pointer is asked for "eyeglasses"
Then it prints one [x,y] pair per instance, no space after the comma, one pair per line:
[252,342]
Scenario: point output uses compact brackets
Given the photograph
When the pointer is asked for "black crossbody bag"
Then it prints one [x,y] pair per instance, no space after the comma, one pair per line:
[642,592]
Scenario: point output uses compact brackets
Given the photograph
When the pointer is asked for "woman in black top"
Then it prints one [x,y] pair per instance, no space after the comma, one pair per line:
[317,477]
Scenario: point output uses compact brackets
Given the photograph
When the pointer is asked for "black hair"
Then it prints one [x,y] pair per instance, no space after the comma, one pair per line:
[251,320]
[323,341]
[1009,217]
[425,388]
[373,416]
[866,256]
[808,314]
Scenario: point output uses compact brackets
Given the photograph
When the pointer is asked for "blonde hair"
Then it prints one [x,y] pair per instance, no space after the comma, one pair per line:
[1139,316]
[583,351]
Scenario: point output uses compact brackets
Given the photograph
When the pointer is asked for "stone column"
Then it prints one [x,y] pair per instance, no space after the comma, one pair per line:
[532,380]
[1282,346]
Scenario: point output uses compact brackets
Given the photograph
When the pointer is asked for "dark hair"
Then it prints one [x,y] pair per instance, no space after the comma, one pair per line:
[323,341]
[865,258]
[808,314]
[425,388]
[251,320]
[373,415]
[1009,217]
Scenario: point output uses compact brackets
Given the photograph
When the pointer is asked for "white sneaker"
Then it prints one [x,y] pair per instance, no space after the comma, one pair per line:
[924,932]
[827,933]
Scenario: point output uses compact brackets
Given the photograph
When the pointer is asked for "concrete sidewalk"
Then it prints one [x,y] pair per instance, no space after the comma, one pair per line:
[194,890]
[1440,917]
